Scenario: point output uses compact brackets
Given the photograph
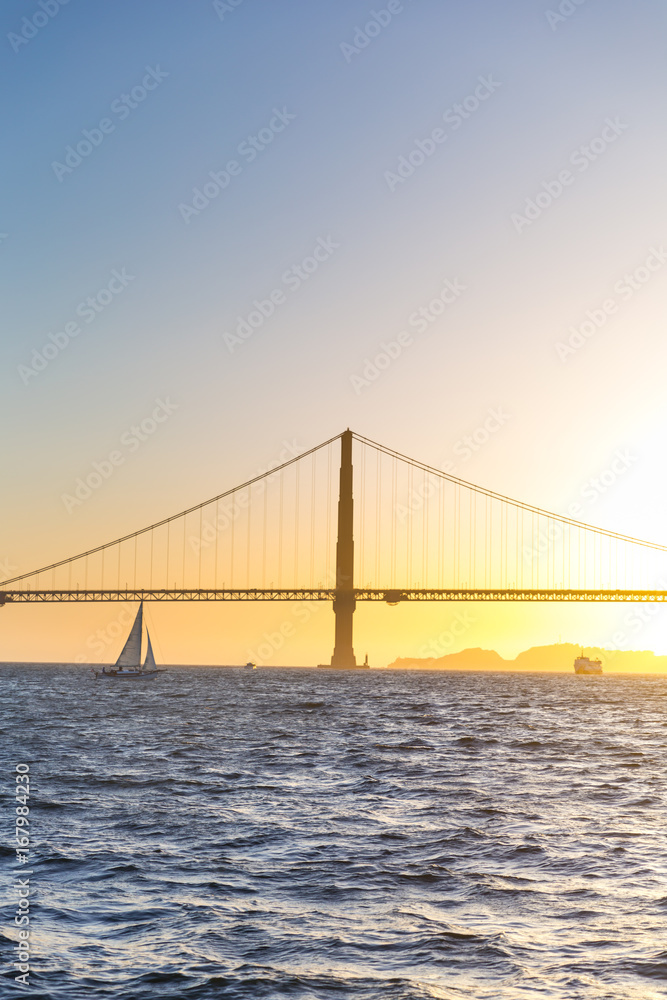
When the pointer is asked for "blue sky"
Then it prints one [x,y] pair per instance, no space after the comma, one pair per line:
[221,76]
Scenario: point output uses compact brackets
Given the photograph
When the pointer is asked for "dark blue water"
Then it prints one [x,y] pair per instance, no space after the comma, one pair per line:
[317,834]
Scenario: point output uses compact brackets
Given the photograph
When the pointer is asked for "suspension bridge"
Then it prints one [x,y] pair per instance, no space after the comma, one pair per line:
[414,533]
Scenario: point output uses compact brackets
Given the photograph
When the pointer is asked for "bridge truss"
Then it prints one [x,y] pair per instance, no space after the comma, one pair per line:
[390,597]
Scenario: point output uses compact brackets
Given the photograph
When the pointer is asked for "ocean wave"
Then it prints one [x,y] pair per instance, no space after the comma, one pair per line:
[316,841]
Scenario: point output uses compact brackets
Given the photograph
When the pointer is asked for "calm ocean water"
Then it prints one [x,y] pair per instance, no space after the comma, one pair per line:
[316,834]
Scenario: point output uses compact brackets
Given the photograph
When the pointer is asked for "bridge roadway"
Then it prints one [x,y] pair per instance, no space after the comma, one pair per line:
[386,595]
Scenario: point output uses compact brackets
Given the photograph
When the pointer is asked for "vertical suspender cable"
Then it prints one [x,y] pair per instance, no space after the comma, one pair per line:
[473,582]
[471,532]
[441,504]
[247,557]
[297,489]
[549,559]
[185,517]
[457,533]
[231,546]
[167,566]
[264,530]
[563,530]
[424,517]
[378,523]
[362,517]
[312,518]
[394,518]
[216,528]
[328,552]
[409,526]
[201,513]
[280,528]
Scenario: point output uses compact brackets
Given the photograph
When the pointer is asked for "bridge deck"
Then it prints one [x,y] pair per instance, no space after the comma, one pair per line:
[386,595]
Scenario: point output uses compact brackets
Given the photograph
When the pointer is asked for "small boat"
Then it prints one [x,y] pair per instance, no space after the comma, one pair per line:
[250,666]
[128,666]
[582,665]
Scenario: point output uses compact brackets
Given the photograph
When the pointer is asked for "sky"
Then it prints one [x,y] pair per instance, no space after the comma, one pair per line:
[169,165]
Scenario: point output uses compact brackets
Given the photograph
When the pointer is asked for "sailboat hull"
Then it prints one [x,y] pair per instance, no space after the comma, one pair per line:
[127,675]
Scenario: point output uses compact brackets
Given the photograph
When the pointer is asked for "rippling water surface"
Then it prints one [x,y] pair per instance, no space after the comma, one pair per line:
[320,834]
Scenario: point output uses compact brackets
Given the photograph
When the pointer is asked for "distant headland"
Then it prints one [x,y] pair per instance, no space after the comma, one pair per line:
[558,657]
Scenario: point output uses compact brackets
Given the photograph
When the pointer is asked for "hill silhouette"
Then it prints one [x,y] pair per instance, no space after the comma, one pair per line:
[557,657]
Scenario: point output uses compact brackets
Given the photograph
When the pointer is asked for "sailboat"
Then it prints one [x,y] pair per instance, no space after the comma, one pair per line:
[128,665]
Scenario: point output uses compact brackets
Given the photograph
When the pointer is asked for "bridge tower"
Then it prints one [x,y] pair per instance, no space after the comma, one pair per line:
[344,602]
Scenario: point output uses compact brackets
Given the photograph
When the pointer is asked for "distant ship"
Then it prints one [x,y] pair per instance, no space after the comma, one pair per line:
[582,665]
[128,666]
[250,666]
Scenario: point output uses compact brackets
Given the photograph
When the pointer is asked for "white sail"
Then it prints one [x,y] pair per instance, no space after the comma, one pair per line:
[131,652]
[149,662]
